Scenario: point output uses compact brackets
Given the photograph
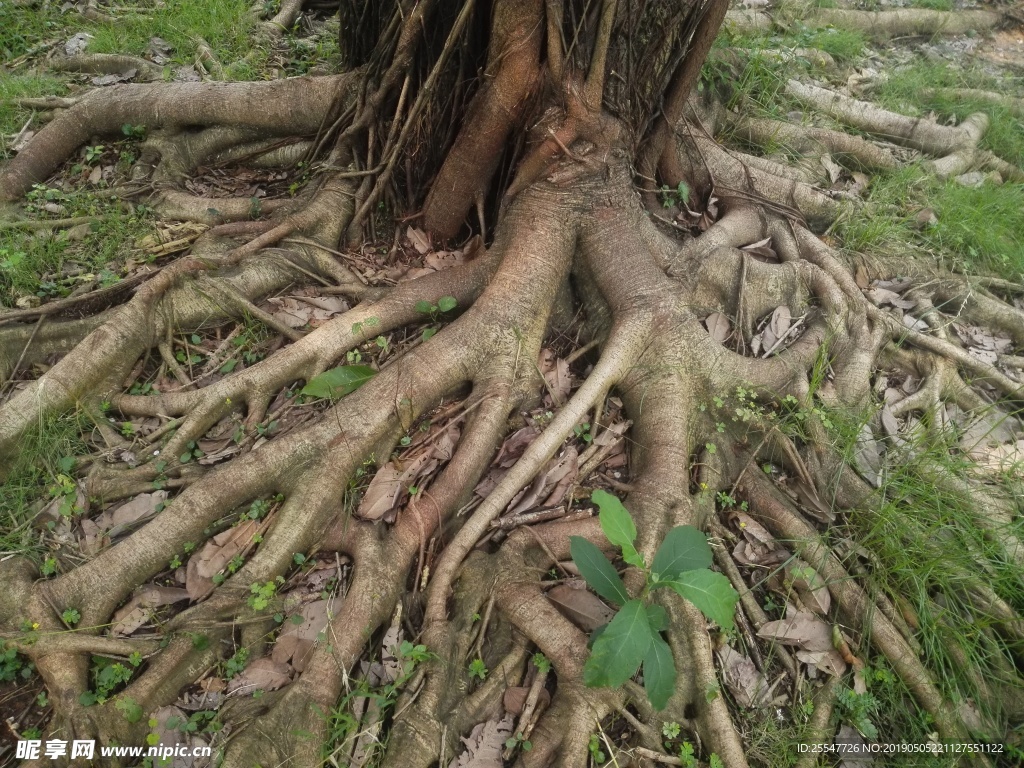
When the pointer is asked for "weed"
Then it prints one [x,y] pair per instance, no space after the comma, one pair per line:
[108,676]
[13,666]
[633,637]
[262,594]
[478,669]
[236,663]
[342,726]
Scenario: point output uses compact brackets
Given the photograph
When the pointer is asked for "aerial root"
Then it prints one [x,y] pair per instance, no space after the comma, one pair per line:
[520,598]
[878,25]
[618,356]
[286,107]
[905,22]
[96,367]
[813,142]
[309,356]
[704,160]
[107,63]
[741,225]
[955,147]
[512,74]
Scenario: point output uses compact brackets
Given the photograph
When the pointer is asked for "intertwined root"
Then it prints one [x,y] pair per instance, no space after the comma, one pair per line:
[646,298]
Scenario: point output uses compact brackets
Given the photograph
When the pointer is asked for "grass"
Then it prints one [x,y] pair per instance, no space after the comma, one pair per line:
[22,86]
[934,5]
[51,265]
[977,229]
[911,90]
[24,27]
[44,456]
[927,548]
[226,25]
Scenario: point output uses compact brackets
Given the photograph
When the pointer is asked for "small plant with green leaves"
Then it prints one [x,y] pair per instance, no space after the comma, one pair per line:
[130,709]
[633,638]
[234,665]
[66,489]
[582,432]
[858,709]
[478,669]
[203,721]
[262,594]
[594,748]
[192,451]
[12,665]
[71,617]
[92,154]
[679,196]
[108,675]
[516,741]
[444,304]
[413,654]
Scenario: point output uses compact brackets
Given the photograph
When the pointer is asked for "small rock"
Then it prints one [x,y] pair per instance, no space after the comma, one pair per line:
[972,179]
[28,302]
[79,232]
[925,218]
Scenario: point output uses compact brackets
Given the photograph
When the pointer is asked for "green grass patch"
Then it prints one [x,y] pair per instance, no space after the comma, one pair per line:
[977,229]
[49,264]
[22,86]
[226,25]
[22,27]
[46,453]
[928,550]
[841,44]
[933,5]
[916,90]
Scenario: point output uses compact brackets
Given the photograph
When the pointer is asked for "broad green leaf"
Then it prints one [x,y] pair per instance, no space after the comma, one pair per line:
[615,520]
[338,382]
[596,634]
[423,307]
[684,549]
[447,303]
[597,570]
[711,592]
[656,617]
[620,649]
[659,673]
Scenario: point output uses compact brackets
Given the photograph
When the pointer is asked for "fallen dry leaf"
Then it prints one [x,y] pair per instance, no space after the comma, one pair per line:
[551,484]
[747,685]
[264,674]
[296,641]
[830,661]
[718,326]
[137,611]
[99,532]
[804,630]
[215,555]
[485,744]
[556,373]
[419,239]
[581,607]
